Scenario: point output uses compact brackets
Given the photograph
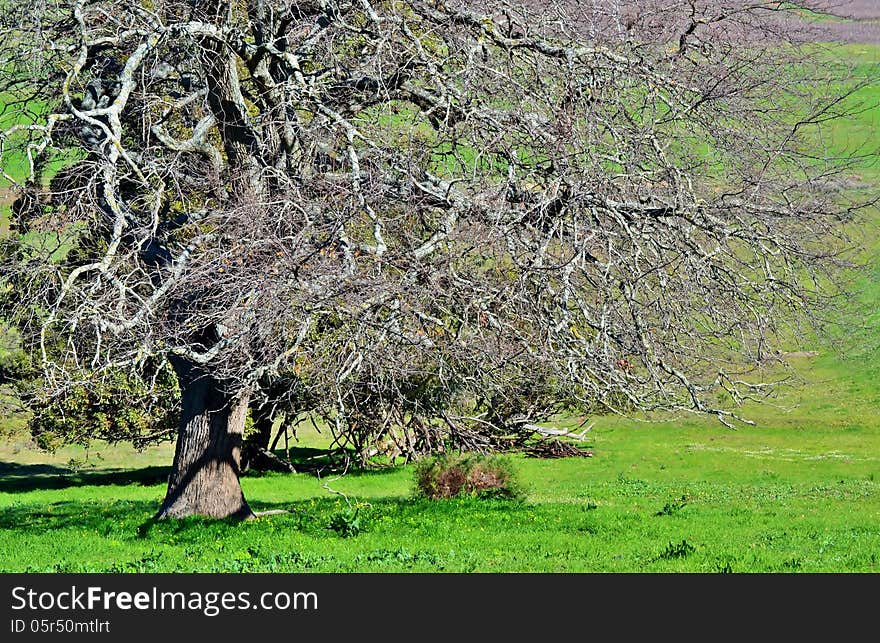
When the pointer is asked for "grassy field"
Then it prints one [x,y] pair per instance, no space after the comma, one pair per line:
[798,492]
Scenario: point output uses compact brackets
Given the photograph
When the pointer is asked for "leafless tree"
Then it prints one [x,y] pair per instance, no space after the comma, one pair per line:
[383,202]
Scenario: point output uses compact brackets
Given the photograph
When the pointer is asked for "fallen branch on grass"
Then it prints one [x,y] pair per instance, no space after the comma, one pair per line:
[272,512]
[561,433]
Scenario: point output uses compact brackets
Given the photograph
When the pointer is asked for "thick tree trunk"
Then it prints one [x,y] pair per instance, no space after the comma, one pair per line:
[204,477]
[207,461]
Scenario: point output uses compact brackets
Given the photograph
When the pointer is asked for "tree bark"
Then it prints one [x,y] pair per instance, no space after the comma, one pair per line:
[204,477]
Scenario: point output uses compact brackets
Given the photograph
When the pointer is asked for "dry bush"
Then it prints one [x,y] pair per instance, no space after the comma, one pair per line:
[453,475]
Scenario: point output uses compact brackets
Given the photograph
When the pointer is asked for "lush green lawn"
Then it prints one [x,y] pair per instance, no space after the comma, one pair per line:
[798,492]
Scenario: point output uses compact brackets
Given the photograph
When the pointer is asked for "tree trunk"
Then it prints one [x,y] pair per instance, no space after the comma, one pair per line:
[207,461]
[257,444]
[204,477]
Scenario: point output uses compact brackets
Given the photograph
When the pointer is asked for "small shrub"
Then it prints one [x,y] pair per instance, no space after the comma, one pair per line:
[453,475]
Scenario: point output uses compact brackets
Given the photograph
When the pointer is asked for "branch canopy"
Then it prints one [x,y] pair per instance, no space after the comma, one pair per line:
[418,206]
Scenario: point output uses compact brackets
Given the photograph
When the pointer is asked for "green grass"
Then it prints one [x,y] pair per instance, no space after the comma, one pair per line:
[798,492]
[858,135]
[14,160]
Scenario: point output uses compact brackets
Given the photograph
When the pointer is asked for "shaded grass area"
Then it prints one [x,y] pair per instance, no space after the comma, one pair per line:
[16,477]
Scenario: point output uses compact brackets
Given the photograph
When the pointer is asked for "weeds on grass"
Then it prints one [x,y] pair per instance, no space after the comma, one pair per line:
[672,507]
[346,523]
[677,550]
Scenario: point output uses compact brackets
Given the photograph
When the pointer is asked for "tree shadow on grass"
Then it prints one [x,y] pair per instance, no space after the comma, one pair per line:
[16,477]
[118,540]
[133,519]
[326,461]
[120,535]
[96,516]
[122,518]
